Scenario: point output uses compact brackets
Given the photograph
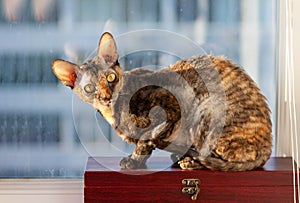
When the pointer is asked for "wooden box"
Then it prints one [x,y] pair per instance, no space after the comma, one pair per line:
[273,183]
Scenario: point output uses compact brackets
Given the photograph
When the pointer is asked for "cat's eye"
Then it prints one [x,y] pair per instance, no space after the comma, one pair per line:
[111,77]
[89,88]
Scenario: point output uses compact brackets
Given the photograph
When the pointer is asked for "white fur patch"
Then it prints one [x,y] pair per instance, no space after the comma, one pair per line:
[86,78]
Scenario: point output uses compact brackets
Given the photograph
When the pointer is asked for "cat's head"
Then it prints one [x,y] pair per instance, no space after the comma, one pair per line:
[97,80]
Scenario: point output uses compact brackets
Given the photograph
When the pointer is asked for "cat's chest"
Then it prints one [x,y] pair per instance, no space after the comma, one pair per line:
[106,112]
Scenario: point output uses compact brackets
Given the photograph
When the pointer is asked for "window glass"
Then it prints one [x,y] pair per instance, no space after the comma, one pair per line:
[38,126]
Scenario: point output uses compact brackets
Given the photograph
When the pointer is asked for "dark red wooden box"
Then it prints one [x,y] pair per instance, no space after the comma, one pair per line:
[273,183]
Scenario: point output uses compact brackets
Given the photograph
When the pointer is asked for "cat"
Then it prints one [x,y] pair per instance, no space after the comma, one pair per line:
[205,109]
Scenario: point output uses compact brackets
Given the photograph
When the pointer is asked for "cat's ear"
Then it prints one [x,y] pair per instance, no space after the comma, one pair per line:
[107,49]
[65,71]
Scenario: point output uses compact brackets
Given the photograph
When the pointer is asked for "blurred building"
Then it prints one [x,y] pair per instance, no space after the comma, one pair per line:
[38,127]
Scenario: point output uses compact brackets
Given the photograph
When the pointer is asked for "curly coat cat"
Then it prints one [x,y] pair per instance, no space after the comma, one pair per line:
[214,115]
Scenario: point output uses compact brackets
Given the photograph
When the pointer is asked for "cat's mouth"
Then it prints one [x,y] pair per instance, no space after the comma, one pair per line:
[104,107]
[105,102]
[102,102]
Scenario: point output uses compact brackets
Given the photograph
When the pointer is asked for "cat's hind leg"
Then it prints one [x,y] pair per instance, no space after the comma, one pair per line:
[237,153]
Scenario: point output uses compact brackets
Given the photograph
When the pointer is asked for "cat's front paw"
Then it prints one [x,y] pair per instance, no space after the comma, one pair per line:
[190,163]
[129,163]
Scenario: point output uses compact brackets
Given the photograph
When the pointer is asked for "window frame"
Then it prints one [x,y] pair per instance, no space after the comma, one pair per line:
[41,190]
[286,130]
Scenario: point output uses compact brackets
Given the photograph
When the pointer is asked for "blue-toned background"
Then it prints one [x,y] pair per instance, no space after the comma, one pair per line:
[37,132]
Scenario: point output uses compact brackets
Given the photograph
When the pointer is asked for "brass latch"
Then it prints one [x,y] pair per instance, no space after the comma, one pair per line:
[192,188]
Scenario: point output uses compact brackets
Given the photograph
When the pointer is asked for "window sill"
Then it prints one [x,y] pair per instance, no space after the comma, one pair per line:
[41,190]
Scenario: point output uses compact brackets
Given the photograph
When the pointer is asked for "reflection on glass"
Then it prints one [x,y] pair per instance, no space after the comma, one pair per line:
[37,133]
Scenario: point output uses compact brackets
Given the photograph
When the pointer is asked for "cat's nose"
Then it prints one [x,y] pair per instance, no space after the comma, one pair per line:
[105,91]
[105,95]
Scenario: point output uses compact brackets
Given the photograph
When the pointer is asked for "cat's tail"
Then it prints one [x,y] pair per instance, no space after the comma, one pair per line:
[223,165]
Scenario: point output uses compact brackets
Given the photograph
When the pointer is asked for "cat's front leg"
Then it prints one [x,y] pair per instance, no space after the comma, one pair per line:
[139,156]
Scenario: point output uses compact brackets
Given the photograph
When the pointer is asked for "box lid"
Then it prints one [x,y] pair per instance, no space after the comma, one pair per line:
[106,171]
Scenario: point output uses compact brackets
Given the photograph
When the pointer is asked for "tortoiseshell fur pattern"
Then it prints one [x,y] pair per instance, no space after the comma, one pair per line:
[181,108]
